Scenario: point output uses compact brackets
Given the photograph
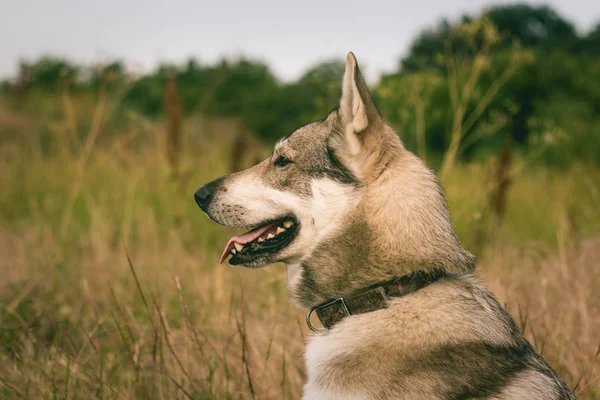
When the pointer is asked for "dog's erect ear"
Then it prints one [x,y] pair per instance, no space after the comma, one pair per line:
[356,106]
[357,115]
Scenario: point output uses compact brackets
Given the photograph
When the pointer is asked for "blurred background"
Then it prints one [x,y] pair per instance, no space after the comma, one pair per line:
[113,113]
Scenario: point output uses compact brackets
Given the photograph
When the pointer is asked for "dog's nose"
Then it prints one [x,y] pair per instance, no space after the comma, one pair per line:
[204,195]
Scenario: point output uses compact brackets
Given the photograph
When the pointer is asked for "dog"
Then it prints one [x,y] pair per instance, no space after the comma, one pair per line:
[363,228]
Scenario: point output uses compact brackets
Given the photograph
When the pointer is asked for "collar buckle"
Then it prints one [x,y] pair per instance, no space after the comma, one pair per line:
[339,304]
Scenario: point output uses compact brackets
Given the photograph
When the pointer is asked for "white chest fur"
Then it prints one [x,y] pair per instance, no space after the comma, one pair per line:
[321,351]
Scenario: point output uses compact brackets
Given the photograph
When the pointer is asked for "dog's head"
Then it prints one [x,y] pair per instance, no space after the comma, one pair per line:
[335,197]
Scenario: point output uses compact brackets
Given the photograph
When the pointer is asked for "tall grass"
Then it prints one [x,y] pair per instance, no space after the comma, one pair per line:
[126,300]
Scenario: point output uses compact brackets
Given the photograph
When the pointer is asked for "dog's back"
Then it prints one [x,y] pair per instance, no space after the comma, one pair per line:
[449,340]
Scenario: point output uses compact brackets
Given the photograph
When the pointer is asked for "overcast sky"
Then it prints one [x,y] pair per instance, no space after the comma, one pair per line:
[289,36]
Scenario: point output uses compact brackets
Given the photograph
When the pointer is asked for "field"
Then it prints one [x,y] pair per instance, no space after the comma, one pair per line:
[111,286]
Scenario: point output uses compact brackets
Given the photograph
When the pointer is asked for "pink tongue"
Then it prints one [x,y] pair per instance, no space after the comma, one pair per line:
[246,238]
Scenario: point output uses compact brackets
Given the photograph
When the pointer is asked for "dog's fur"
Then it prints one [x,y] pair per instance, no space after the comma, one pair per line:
[368,211]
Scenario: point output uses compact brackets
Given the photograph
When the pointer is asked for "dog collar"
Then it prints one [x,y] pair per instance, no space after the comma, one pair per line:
[374,298]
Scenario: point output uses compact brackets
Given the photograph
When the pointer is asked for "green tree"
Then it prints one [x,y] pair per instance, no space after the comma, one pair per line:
[49,72]
[540,28]
[590,44]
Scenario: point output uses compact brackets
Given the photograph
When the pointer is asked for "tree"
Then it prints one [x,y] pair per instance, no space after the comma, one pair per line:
[539,28]
[464,74]
[112,75]
[416,104]
[49,72]
[425,49]
[590,45]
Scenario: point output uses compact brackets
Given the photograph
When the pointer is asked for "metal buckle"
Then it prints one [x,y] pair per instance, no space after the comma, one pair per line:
[329,303]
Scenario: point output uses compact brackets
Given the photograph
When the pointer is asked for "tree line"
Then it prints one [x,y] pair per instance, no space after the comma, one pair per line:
[514,74]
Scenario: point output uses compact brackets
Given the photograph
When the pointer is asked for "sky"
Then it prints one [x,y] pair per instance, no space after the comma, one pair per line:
[289,36]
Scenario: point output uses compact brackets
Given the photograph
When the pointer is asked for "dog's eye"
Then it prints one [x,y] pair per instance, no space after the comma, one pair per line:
[281,161]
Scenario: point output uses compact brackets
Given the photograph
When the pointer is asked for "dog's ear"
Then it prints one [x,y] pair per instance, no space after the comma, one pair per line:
[356,105]
[357,114]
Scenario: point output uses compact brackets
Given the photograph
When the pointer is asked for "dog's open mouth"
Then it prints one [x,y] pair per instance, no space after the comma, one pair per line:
[269,237]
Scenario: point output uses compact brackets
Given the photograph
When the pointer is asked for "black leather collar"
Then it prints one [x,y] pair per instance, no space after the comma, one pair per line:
[373,298]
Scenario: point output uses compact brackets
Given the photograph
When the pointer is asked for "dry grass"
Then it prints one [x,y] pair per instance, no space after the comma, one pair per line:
[185,327]
[78,320]
[555,301]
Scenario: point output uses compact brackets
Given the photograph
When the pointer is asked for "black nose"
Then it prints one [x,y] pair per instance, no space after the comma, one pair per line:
[204,195]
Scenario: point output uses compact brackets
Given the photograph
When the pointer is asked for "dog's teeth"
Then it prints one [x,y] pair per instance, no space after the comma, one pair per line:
[270,236]
[287,224]
[238,246]
[233,251]
[261,239]
[279,230]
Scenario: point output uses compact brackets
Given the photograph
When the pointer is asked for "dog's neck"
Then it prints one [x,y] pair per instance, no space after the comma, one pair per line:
[309,287]
[400,226]
[373,298]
